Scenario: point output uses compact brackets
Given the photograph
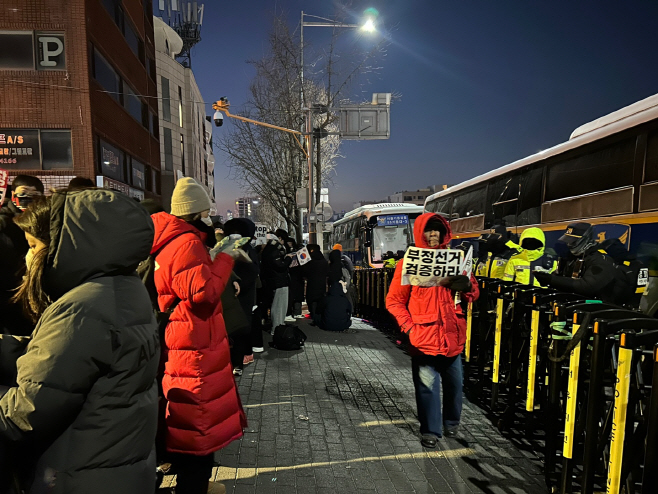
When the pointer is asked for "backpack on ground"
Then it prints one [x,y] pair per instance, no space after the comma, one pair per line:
[632,277]
[288,337]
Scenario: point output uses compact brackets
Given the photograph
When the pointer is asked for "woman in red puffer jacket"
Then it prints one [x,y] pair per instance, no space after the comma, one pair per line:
[204,413]
[435,321]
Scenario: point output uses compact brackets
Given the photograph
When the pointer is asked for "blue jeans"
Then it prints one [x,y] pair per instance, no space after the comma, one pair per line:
[429,372]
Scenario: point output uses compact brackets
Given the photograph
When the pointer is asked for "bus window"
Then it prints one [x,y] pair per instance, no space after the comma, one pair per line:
[440,206]
[502,201]
[469,204]
[651,164]
[605,169]
[529,212]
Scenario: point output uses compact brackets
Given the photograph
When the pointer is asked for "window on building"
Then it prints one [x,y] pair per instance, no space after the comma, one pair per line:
[150,68]
[154,125]
[17,50]
[106,76]
[597,171]
[168,150]
[111,161]
[134,42]
[155,181]
[166,101]
[182,153]
[56,149]
[408,198]
[138,174]
[132,103]
[205,171]
[180,107]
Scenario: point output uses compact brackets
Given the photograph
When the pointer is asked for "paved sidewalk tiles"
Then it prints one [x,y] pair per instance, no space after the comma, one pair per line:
[339,416]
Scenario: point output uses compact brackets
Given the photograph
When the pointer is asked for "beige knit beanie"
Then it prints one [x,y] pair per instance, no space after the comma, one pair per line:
[189,197]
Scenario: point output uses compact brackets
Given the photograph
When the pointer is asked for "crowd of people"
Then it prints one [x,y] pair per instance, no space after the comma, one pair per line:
[123,329]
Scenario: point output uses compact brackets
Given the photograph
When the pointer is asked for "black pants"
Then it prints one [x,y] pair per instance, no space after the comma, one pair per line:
[192,472]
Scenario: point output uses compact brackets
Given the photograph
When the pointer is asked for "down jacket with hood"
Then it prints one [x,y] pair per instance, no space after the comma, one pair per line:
[84,403]
[521,266]
[204,413]
[429,315]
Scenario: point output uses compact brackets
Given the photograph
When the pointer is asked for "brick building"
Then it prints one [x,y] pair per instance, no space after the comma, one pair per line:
[78,93]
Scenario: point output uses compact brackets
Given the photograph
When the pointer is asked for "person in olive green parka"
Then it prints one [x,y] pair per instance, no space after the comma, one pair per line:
[82,408]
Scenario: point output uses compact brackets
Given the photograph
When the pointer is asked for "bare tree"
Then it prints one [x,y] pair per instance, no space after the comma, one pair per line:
[271,163]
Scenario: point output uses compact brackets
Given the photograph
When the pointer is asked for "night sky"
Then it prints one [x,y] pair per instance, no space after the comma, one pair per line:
[482,83]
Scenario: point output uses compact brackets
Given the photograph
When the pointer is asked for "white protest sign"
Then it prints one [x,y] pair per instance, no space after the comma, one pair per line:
[4,179]
[303,256]
[427,267]
[467,265]
[261,231]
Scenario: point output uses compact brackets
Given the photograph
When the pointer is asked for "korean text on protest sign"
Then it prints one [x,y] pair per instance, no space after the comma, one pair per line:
[427,267]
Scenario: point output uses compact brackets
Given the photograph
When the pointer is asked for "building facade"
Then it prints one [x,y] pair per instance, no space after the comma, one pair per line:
[79,93]
[186,142]
[247,207]
[411,196]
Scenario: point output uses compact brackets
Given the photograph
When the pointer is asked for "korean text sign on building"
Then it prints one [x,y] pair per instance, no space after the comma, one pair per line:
[427,267]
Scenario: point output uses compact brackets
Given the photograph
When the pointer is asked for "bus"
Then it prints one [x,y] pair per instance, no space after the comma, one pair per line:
[371,233]
[606,174]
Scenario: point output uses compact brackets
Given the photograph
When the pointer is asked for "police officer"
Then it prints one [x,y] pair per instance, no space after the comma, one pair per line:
[496,250]
[533,259]
[589,271]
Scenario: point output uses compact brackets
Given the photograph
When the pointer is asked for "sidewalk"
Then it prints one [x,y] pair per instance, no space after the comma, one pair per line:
[339,416]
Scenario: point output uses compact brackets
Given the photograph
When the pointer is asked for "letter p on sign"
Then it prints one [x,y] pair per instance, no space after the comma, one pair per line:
[50,48]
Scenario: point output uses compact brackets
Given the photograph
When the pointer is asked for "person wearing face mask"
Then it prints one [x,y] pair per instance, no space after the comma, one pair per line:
[13,249]
[589,271]
[496,249]
[204,413]
[434,317]
[534,258]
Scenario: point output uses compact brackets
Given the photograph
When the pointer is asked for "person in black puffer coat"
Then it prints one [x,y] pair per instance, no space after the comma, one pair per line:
[336,310]
[315,271]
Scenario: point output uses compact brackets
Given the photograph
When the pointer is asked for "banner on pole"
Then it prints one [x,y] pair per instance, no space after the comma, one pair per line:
[427,267]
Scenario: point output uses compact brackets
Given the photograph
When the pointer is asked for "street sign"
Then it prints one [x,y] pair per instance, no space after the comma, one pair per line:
[323,210]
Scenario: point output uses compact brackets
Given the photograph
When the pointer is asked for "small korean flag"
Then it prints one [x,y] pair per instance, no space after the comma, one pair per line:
[303,256]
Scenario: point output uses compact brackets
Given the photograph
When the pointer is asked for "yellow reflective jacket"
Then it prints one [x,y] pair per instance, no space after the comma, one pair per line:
[494,266]
[521,266]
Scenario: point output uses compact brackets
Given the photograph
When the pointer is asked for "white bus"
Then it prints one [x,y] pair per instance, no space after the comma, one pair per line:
[371,233]
[606,174]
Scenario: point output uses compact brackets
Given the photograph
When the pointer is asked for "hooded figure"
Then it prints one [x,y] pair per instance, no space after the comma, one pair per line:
[533,258]
[436,325]
[85,396]
[336,310]
[315,271]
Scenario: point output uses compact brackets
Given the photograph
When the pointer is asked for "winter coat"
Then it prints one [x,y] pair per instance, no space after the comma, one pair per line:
[493,265]
[274,265]
[435,325]
[336,310]
[316,271]
[248,273]
[296,293]
[86,396]
[13,248]
[521,266]
[596,278]
[335,266]
[235,319]
[204,413]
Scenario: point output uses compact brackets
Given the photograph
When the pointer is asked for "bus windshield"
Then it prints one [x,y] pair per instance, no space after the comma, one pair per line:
[390,235]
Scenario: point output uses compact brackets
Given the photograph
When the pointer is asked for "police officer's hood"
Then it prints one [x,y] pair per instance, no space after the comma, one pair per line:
[419,229]
[533,234]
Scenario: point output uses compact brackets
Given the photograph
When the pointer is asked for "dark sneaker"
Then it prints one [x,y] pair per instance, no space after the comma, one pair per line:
[429,441]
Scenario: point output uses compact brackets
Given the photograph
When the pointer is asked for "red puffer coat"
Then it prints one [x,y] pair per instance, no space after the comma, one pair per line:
[428,314]
[204,412]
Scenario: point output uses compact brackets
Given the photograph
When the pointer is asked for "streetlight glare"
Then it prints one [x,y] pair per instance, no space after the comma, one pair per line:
[369,26]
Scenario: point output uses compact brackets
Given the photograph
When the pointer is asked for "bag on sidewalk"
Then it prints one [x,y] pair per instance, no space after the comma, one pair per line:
[288,337]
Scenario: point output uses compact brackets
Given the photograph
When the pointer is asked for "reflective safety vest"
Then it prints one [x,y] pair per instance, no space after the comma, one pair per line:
[521,266]
[494,266]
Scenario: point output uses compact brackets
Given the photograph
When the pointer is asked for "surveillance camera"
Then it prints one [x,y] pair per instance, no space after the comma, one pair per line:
[218,118]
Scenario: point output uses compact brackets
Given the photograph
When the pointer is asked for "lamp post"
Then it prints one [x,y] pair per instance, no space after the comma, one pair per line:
[307,129]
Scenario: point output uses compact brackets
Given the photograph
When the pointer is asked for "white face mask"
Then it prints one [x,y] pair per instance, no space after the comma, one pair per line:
[28,258]
[207,220]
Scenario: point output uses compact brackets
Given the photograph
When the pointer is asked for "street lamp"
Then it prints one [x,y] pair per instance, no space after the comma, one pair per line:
[368,26]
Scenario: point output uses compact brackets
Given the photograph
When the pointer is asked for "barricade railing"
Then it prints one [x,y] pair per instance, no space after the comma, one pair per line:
[550,359]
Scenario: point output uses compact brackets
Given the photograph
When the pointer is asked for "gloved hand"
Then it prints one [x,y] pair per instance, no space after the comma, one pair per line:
[230,246]
[543,278]
[459,283]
